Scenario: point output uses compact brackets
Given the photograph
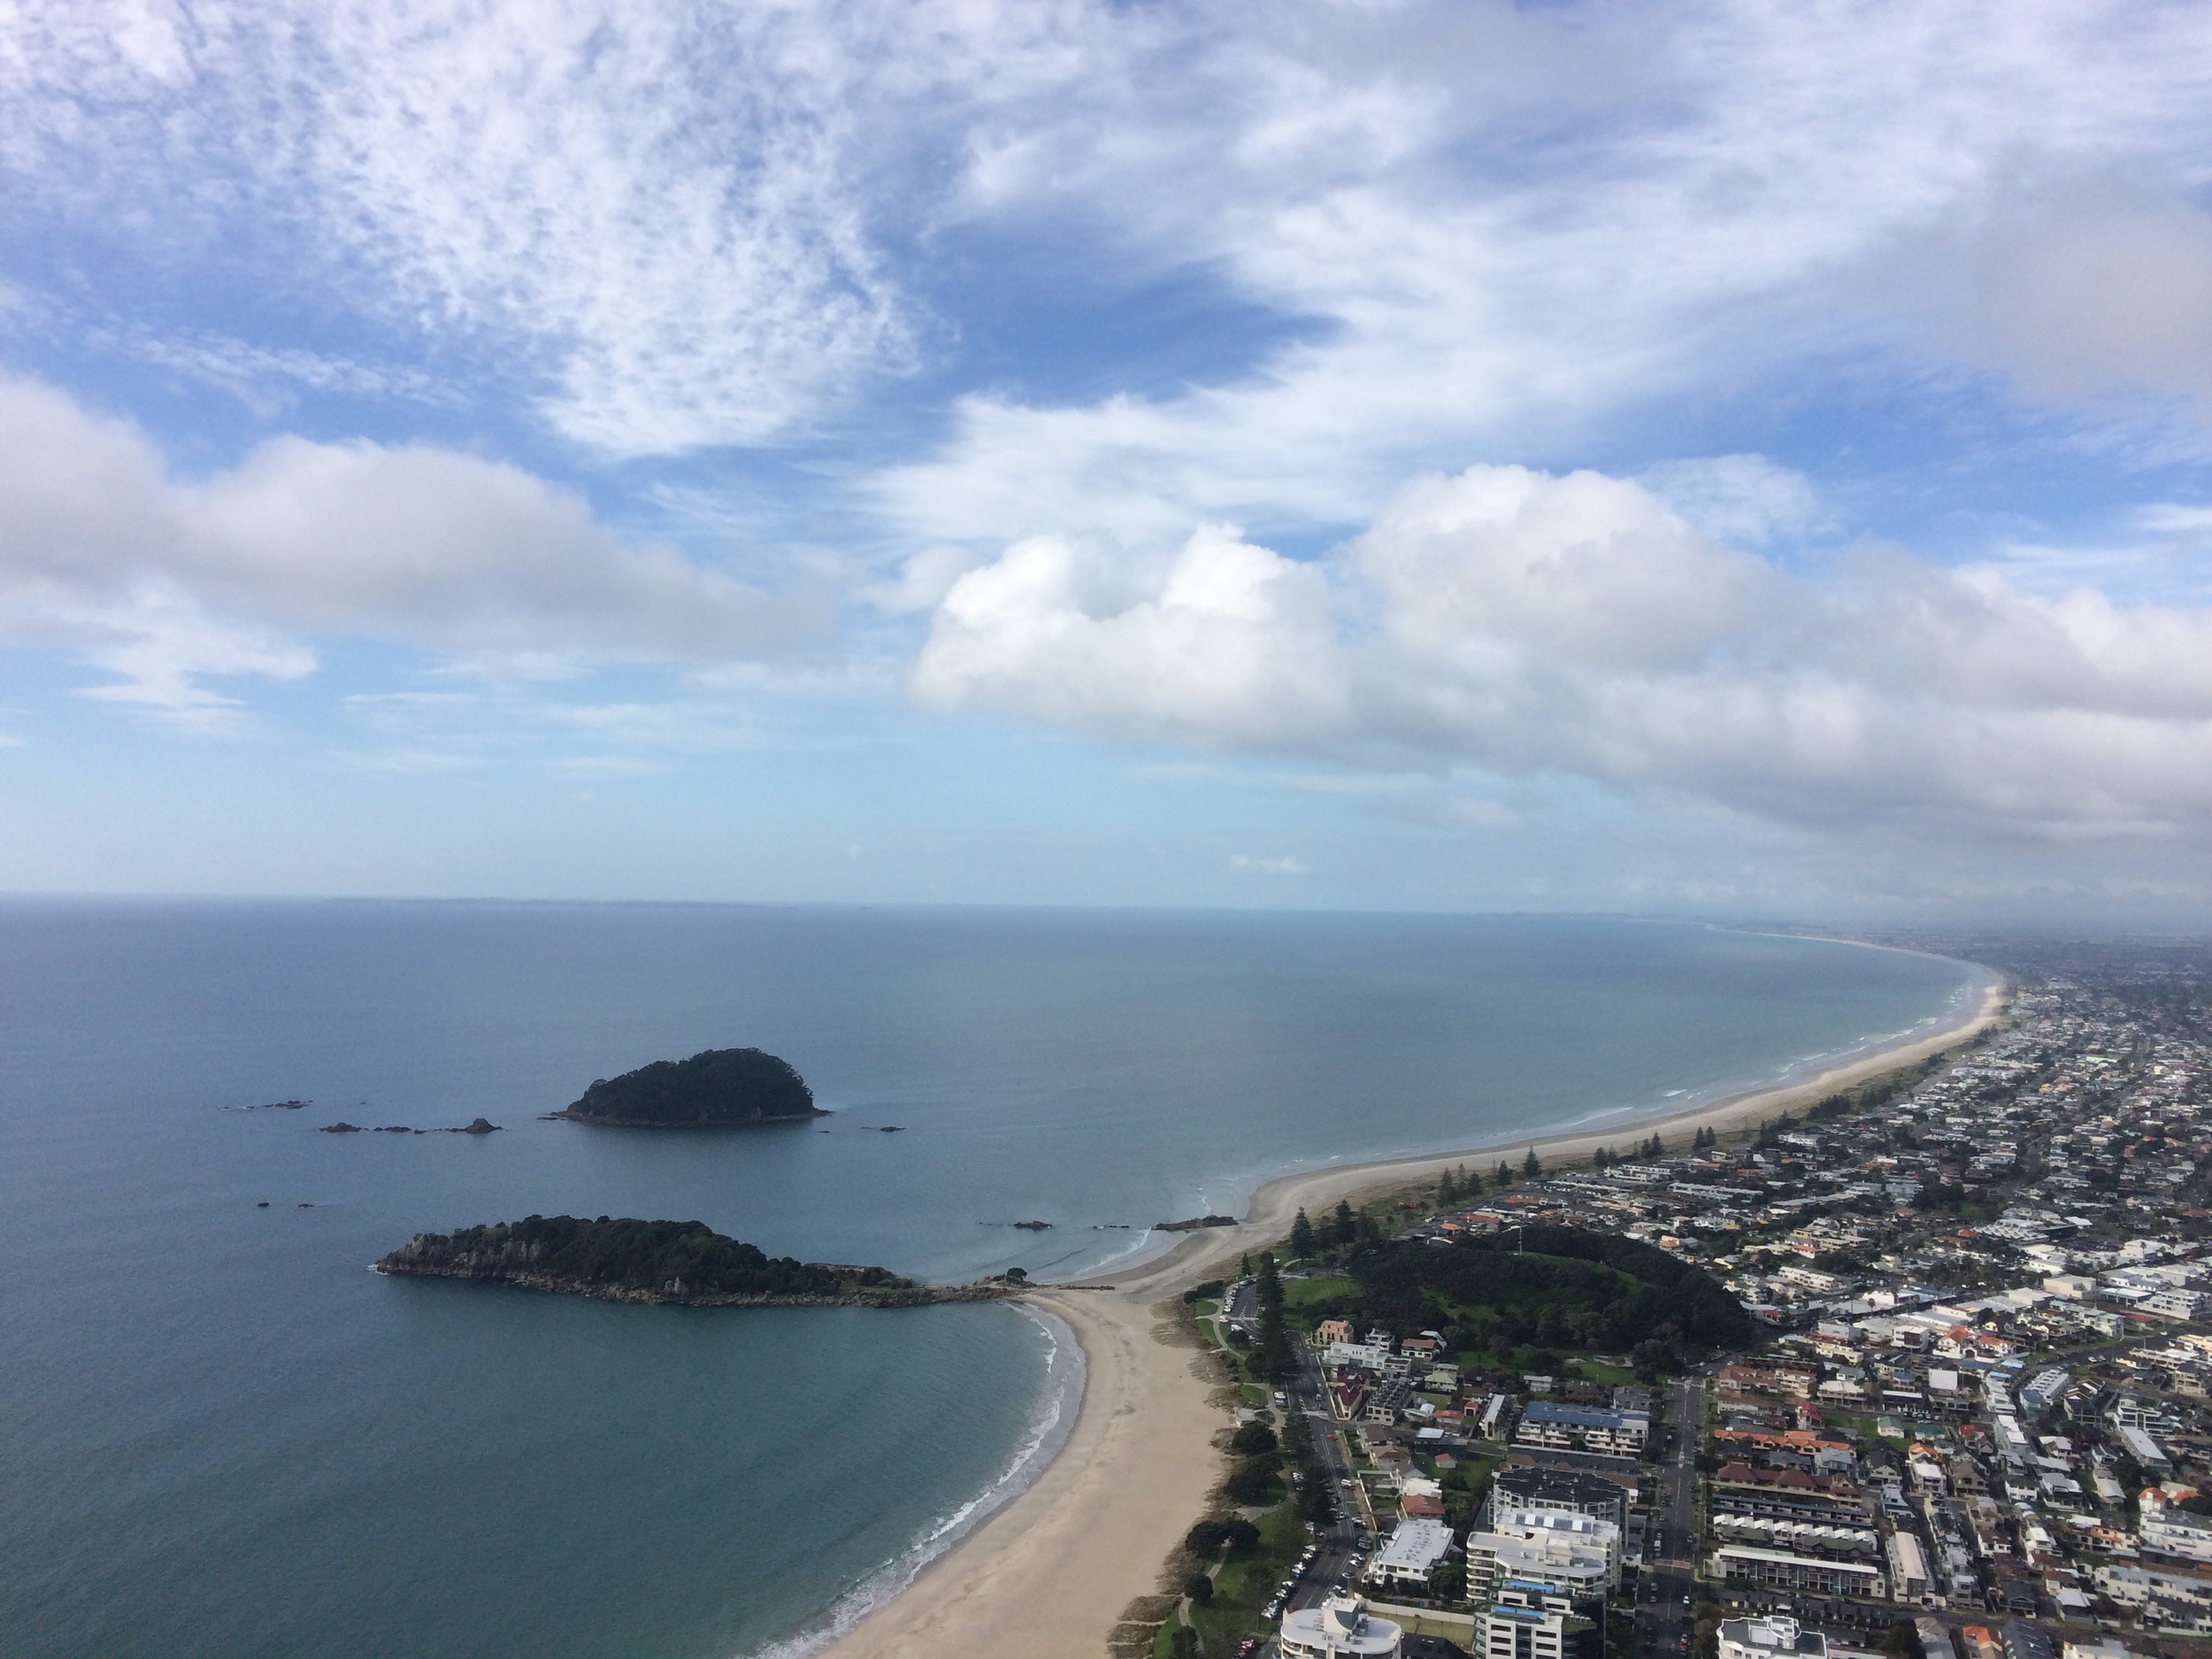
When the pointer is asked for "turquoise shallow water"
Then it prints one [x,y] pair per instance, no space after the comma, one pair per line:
[227,1438]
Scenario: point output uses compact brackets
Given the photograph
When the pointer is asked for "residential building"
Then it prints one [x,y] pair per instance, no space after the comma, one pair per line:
[1340,1628]
[1769,1638]
[1538,1486]
[1586,1428]
[1391,1397]
[1908,1569]
[1582,1570]
[2037,1397]
[1590,1531]
[2168,1530]
[2176,1304]
[1417,1545]
[1531,1619]
[1740,1563]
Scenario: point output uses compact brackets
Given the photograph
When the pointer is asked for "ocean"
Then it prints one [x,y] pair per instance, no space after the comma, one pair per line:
[225,1437]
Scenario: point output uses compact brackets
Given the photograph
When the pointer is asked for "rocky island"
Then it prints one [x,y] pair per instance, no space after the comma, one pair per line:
[715,1087]
[682,1261]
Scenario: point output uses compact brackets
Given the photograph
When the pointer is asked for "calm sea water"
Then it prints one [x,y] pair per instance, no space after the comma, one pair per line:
[226,1438]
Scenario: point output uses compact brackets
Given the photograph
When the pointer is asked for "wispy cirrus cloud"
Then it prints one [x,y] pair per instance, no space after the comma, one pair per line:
[1506,228]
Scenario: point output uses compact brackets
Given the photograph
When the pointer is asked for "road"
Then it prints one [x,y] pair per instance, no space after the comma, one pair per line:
[1663,1620]
[1338,1543]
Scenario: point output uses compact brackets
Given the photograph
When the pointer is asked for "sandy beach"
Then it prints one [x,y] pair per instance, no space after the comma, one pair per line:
[1048,1575]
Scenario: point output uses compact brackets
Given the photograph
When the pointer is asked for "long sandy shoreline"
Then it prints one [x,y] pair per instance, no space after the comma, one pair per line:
[1049,1574]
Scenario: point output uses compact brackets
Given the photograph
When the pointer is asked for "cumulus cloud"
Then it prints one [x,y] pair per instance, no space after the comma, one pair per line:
[167,582]
[1530,625]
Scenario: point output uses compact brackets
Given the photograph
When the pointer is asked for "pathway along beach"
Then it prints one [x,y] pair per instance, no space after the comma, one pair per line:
[1048,1575]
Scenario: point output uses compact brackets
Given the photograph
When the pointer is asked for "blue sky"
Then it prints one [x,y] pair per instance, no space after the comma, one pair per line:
[1727,459]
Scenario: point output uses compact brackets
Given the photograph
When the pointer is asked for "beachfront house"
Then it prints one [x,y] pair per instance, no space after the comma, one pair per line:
[1417,1546]
[1340,1628]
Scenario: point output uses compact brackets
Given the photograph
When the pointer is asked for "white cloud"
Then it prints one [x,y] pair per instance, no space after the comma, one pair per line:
[1507,228]
[165,581]
[1288,865]
[1529,625]
[696,227]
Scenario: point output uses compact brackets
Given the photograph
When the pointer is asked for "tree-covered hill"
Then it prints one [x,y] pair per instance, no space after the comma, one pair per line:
[662,1260]
[718,1086]
[1563,1286]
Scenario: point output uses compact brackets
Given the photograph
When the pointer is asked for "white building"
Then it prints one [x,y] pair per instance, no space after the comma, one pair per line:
[1406,1561]
[1530,1620]
[2176,1304]
[2145,1450]
[1769,1638]
[1590,1428]
[1364,1356]
[1340,1628]
[2037,1397]
[1908,1569]
[2171,1531]
[1738,1563]
[1579,1568]
[1535,1525]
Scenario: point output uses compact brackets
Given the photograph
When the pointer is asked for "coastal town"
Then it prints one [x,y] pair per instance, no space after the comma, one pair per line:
[1965,1410]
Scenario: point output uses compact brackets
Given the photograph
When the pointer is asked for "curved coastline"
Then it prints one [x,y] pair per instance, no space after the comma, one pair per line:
[1268,1212]
[1050,1429]
[1050,1571]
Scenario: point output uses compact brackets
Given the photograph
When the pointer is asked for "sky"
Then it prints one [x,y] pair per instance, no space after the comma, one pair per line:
[1726,459]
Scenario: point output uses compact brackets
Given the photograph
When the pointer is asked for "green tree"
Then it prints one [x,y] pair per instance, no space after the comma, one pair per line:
[1253,1439]
[1205,1539]
[1504,1176]
[1301,1237]
[1250,1481]
[1531,1166]
[1598,1159]
[1316,1502]
[1271,1360]
[1200,1588]
[1346,1227]
[1446,1193]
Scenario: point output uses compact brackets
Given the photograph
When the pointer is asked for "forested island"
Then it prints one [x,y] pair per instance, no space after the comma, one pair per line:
[715,1087]
[682,1261]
